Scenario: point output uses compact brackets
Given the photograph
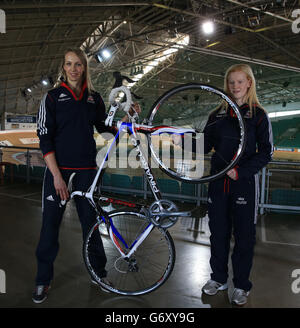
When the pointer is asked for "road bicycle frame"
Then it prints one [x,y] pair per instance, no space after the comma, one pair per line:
[131,128]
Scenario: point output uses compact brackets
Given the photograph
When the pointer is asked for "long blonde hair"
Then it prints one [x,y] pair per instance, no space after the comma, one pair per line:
[86,74]
[251,97]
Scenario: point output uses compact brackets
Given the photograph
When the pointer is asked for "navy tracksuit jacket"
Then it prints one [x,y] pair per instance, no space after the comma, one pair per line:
[66,127]
[233,204]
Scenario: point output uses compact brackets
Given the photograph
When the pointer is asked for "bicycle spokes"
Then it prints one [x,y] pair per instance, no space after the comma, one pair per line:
[186,155]
[145,267]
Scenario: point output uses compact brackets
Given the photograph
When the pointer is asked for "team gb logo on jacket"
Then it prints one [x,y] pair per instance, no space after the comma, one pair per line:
[91,100]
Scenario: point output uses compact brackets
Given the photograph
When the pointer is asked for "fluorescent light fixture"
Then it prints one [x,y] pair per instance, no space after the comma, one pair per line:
[98,58]
[180,41]
[45,82]
[29,90]
[208,27]
[284,113]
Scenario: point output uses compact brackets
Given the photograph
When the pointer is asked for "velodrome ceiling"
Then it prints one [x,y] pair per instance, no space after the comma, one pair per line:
[139,35]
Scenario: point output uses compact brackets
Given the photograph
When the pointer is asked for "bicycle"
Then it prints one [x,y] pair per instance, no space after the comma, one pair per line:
[139,248]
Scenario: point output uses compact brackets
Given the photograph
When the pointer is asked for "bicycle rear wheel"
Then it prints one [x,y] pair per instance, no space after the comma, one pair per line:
[181,153]
[146,269]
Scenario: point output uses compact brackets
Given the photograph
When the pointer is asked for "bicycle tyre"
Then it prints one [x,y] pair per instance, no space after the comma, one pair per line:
[154,259]
[160,111]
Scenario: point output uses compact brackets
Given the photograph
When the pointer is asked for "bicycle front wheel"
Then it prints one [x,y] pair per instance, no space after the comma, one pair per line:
[142,272]
[183,151]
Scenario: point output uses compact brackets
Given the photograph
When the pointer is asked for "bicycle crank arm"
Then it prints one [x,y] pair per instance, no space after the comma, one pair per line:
[166,220]
[173,214]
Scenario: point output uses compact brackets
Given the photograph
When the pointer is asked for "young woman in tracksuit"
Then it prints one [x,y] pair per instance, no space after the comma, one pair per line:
[66,120]
[233,199]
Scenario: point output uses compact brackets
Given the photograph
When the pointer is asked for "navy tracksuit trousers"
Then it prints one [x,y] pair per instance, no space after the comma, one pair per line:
[232,206]
[48,245]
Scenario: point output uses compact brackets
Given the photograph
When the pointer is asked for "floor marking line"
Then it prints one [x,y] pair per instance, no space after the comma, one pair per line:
[20,197]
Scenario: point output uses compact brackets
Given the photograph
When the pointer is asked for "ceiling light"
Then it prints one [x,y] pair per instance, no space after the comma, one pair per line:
[29,90]
[102,55]
[45,82]
[106,53]
[208,27]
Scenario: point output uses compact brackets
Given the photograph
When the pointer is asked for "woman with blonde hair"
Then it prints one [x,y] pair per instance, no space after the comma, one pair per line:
[85,75]
[66,120]
[251,97]
[233,199]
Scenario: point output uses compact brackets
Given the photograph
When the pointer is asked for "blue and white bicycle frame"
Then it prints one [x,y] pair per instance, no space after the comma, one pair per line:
[132,128]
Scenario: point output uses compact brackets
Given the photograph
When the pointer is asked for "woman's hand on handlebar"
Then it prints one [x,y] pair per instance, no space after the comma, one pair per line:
[134,108]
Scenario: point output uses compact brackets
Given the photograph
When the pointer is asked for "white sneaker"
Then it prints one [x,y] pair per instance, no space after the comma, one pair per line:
[239,296]
[212,287]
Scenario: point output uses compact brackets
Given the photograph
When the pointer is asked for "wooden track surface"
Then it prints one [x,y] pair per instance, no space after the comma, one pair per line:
[286,155]
[20,138]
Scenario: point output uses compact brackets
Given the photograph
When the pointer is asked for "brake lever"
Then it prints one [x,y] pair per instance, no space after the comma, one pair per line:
[112,111]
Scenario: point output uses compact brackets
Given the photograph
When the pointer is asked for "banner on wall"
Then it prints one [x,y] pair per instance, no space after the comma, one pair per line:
[13,122]
[21,119]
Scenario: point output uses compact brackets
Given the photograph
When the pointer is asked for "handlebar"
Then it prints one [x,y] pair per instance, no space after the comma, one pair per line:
[153,130]
[114,92]
[116,105]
